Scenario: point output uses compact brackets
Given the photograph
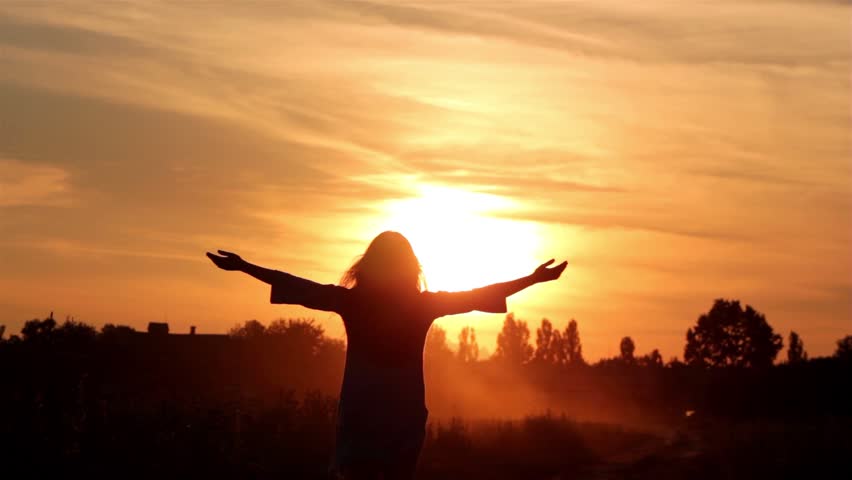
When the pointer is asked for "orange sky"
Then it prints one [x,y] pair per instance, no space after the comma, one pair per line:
[673,152]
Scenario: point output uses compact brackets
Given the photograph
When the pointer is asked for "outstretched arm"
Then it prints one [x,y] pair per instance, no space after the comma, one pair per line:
[286,288]
[541,274]
[232,261]
[491,298]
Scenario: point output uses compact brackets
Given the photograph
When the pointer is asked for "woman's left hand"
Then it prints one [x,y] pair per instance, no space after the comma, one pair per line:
[545,274]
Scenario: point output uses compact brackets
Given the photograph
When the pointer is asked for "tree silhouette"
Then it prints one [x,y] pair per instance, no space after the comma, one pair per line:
[436,347]
[249,330]
[302,338]
[513,341]
[75,333]
[844,348]
[729,335]
[549,344]
[333,349]
[627,348]
[571,344]
[468,348]
[36,330]
[796,349]
[674,362]
[653,359]
[69,333]
[112,332]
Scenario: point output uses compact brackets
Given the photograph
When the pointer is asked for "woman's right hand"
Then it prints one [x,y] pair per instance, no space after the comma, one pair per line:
[227,260]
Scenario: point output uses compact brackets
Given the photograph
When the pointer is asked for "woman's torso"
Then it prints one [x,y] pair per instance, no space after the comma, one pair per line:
[384,356]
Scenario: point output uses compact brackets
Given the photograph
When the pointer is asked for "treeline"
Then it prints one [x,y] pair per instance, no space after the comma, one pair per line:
[261,401]
[728,335]
[729,368]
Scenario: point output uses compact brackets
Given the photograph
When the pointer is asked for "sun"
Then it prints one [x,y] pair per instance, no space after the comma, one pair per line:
[464,239]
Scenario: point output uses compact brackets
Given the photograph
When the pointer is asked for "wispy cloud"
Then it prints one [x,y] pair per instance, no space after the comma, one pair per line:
[74,249]
[23,184]
[38,36]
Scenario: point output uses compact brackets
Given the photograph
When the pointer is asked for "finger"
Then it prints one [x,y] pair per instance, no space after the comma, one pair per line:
[212,256]
[227,254]
[547,262]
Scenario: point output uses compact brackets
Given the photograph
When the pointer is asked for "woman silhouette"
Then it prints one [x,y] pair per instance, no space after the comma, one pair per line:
[382,413]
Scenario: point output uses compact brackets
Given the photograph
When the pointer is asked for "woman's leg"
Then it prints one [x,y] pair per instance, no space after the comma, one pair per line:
[362,472]
[404,463]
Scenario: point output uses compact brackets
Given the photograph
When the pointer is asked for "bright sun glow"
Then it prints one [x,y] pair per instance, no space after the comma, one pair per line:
[460,241]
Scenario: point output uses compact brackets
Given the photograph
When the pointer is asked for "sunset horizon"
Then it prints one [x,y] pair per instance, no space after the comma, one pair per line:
[673,154]
[426,239]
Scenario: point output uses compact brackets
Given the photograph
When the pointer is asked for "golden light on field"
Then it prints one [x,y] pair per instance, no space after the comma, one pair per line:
[460,240]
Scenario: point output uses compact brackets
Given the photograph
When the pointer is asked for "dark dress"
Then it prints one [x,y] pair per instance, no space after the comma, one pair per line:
[382,412]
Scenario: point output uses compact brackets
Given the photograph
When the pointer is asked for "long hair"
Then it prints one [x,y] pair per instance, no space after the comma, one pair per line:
[388,262]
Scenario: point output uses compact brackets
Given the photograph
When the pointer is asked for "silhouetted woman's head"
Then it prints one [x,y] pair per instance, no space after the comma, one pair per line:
[388,263]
